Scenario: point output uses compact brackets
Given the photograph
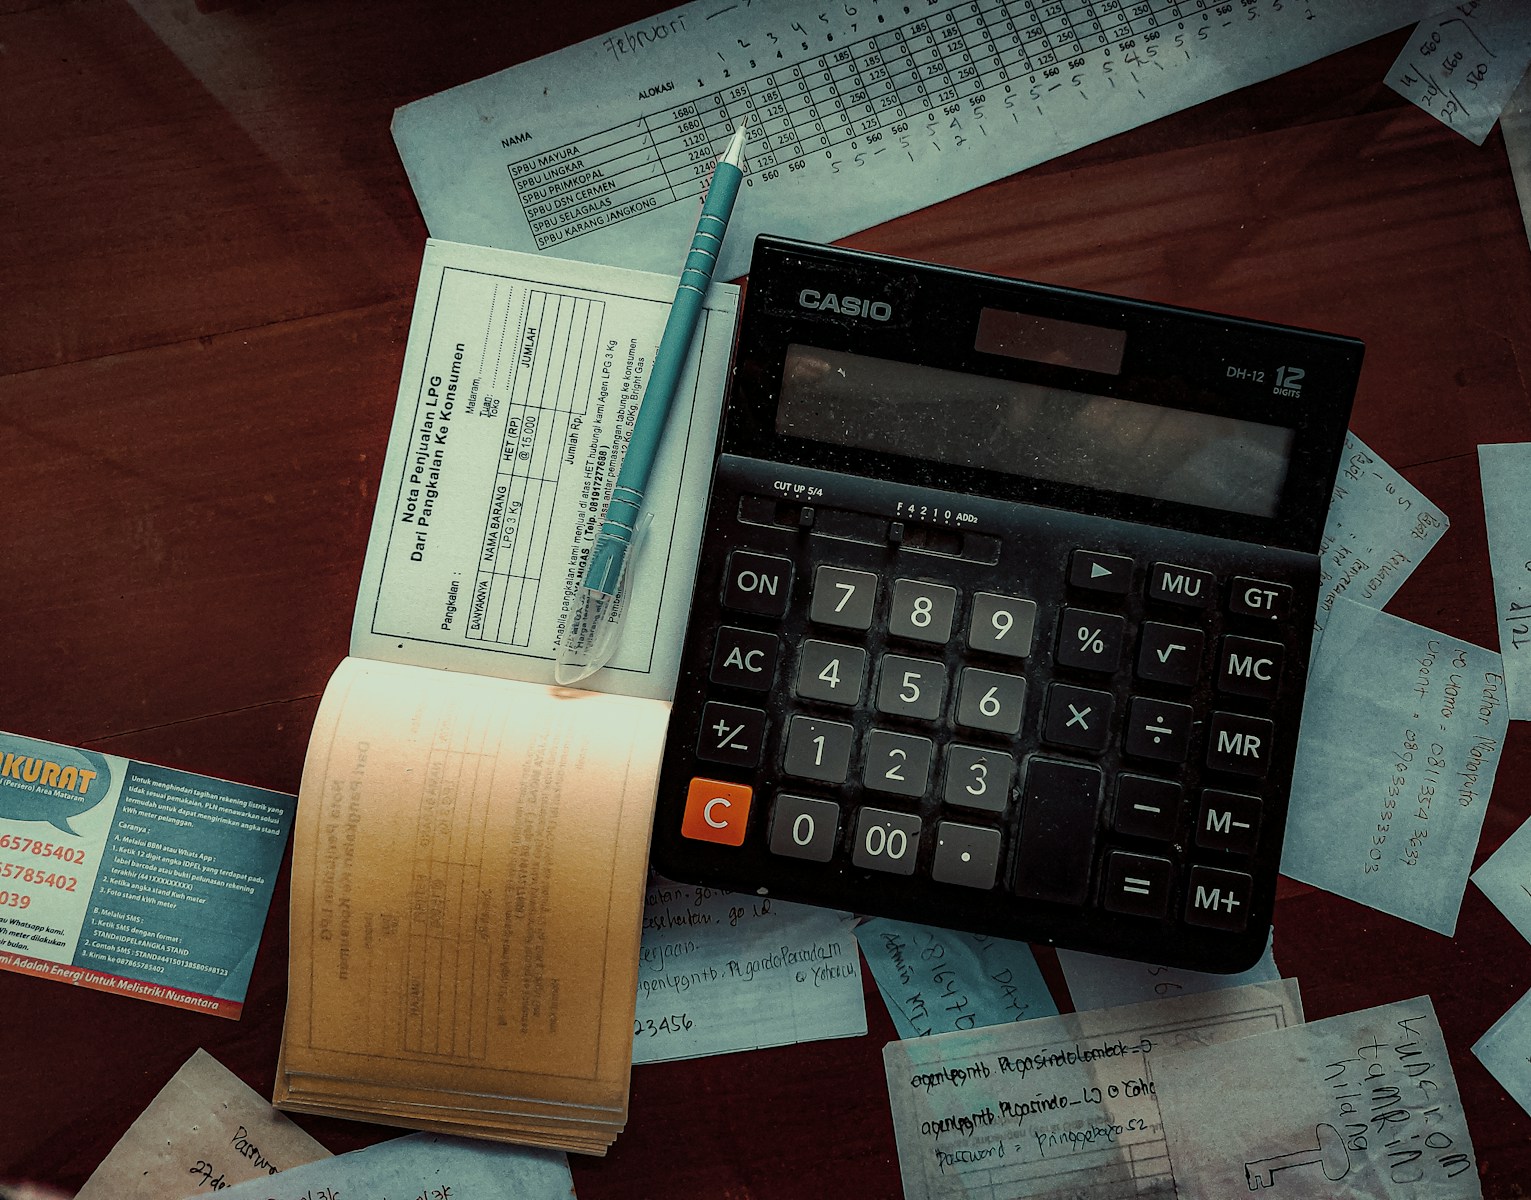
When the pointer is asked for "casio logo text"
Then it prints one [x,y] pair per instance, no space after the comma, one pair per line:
[846,306]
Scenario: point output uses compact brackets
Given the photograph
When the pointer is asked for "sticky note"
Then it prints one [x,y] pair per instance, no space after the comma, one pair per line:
[1506,879]
[1506,1051]
[721,972]
[937,980]
[426,1166]
[1462,66]
[1505,471]
[1378,529]
[1401,735]
[1097,981]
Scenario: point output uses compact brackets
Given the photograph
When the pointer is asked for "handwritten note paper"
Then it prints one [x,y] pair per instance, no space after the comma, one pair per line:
[205,1131]
[937,980]
[1379,528]
[1506,1051]
[1096,981]
[1506,474]
[721,972]
[1061,1106]
[1363,1104]
[1462,66]
[1401,736]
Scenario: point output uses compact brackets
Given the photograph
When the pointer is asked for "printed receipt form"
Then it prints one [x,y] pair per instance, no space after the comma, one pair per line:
[519,388]
[857,112]
[471,842]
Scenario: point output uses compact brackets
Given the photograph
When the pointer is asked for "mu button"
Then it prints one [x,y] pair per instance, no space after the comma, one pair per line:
[716,812]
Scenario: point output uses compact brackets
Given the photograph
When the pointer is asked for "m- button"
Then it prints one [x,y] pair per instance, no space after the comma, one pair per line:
[757,583]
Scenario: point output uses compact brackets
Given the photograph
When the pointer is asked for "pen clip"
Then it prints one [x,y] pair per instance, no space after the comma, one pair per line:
[596,615]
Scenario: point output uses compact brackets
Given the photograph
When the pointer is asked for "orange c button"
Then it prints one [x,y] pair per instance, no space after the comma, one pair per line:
[716,812]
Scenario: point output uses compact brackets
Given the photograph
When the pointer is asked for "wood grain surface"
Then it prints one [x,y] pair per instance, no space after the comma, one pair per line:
[208,256]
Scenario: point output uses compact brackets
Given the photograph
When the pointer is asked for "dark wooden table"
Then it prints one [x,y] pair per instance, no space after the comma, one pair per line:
[208,255]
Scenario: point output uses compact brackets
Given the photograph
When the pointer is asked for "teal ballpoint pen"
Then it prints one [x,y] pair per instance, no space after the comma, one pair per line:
[591,637]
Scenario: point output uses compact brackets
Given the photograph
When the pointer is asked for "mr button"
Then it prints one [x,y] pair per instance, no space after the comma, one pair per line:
[1240,744]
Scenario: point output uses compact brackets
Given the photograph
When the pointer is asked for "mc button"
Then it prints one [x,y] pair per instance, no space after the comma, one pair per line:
[757,583]
[1250,667]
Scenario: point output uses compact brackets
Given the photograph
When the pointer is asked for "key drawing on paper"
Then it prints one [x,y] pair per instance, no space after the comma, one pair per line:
[1328,1151]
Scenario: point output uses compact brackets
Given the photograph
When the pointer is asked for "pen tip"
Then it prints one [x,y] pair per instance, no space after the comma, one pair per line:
[734,155]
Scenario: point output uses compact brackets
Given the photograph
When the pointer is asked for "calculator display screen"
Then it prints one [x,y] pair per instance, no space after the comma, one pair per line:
[1029,429]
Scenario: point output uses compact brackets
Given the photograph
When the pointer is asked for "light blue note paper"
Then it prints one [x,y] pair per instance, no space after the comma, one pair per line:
[421,1166]
[1506,1051]
[1462,66]
[1506,879]
[1505,470]
[1401,736]
[720,972]
[1379,528]
[1096,981]
[936,980]
[1362,1106]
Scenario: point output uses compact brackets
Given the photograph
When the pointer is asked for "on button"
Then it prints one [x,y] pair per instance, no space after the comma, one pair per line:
[757,583]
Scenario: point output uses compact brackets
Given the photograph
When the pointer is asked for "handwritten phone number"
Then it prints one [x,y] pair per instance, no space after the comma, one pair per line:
[15,841]
[1433,762]
[23,874]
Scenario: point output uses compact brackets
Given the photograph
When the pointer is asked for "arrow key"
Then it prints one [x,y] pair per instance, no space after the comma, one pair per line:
[1098,572]
[1170,654]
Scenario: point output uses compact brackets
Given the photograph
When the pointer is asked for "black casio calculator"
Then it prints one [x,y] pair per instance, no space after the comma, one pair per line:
[1004,606]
